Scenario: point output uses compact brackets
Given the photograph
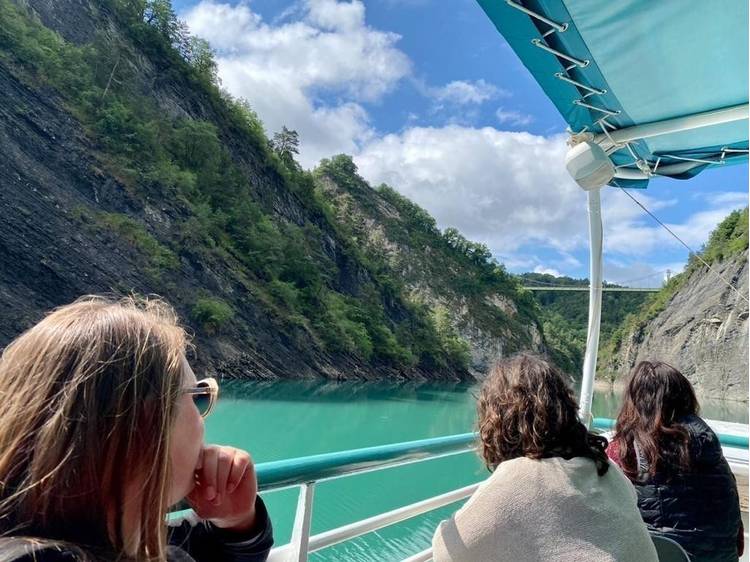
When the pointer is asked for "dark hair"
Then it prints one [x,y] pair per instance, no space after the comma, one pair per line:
[657,397]
[526,409]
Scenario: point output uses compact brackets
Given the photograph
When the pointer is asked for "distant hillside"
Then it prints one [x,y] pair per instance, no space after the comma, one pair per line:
[465,291]
[565,316]
[126,168]
[696,322]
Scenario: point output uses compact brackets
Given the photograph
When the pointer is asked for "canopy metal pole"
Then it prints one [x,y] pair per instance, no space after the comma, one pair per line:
[595,305]
[670,169]
[675,125]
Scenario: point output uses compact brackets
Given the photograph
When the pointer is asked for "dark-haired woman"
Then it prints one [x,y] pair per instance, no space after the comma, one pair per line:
[552,494]
[686,490]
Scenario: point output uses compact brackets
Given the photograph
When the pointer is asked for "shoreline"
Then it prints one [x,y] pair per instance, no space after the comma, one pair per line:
[618,386]
[611,387]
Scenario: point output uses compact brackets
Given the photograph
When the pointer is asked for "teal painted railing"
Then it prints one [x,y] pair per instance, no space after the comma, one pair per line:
[291,472]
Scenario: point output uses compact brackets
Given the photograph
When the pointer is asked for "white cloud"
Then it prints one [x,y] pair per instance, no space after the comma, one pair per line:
[464,92]
[639,273]
[518,262]
[225,26]
[510,190]
[330,14]
[738,199]
[505,189]
[513,117]
[547,270]
[282,69]
[567,260]
[629,231]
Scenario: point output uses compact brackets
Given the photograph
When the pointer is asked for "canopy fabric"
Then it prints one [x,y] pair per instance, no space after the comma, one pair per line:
[647,62]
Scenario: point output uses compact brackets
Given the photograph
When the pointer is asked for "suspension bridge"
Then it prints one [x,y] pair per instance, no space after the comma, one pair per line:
[586,289]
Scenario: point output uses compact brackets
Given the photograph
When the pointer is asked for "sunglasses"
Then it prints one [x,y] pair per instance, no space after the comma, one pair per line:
[204,394]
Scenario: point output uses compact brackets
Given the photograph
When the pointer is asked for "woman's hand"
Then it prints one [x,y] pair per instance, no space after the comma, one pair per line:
[225,488]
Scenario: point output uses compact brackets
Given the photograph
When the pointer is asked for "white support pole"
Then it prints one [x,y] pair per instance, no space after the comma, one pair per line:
[302,520]
[595,305]
[675,125]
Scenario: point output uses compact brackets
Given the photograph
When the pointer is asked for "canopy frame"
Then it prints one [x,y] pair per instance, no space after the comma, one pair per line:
[646,162]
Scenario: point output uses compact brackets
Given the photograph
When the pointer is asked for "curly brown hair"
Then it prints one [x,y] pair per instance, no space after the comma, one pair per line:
[526,409]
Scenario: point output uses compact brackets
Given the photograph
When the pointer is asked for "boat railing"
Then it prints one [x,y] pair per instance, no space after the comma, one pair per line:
[306,472]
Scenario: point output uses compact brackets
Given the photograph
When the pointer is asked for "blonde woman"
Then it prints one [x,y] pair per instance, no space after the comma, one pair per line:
[101,431]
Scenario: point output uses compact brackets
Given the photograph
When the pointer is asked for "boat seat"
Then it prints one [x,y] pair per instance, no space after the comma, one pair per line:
[669,550]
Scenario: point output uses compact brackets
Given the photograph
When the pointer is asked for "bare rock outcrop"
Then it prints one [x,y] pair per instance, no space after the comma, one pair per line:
[703,331]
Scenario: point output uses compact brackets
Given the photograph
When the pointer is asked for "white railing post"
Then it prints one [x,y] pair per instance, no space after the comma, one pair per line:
[303,518]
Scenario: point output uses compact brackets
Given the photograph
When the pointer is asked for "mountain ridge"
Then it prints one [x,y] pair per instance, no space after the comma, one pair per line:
[130,170]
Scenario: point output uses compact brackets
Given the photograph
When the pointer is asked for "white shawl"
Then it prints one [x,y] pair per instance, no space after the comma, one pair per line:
[549,509]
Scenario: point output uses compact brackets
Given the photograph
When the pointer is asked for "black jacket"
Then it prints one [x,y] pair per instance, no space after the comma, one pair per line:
[190,539]
[699,509]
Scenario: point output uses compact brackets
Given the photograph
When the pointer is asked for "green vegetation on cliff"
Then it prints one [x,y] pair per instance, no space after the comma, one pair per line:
[293,266]
[728,239]
[469,293]
[565,316]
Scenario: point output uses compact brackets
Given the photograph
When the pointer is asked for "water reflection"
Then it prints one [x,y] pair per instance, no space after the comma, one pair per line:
[344,391]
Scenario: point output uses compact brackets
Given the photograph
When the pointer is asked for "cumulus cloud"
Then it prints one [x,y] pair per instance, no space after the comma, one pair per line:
[282,70]
[510,190]
[464,92]
[505,189]
[330,14]
[513,117]
[629,231]
[547,271]
[639,273]
[292,69]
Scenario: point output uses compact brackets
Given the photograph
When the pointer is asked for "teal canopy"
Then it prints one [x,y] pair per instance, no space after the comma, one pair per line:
[609,66]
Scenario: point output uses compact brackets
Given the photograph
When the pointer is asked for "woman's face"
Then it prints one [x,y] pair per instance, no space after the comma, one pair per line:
[187,441]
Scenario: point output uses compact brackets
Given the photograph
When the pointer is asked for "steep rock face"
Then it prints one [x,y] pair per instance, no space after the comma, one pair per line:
[490,322]
[75,20]
[54,183]
[703,332]
[51,254]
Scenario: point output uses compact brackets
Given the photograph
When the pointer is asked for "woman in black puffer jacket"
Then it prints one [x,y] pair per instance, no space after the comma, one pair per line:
[686,490]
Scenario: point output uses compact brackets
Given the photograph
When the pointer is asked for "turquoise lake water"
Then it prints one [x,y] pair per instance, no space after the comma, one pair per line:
[282,420]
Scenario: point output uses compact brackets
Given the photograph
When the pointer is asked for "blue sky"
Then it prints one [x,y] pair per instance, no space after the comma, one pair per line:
[428,97]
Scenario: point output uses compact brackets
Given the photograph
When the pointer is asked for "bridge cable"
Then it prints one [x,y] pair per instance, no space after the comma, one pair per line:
[693,252]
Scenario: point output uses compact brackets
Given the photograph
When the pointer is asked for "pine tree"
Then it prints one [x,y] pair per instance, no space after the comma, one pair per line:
[286,144]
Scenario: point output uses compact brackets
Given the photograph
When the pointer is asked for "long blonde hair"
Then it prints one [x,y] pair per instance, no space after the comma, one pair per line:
[87,402]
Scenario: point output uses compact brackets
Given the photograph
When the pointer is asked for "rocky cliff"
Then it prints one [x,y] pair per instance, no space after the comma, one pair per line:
[701,327]
[457,279]
[125,168]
